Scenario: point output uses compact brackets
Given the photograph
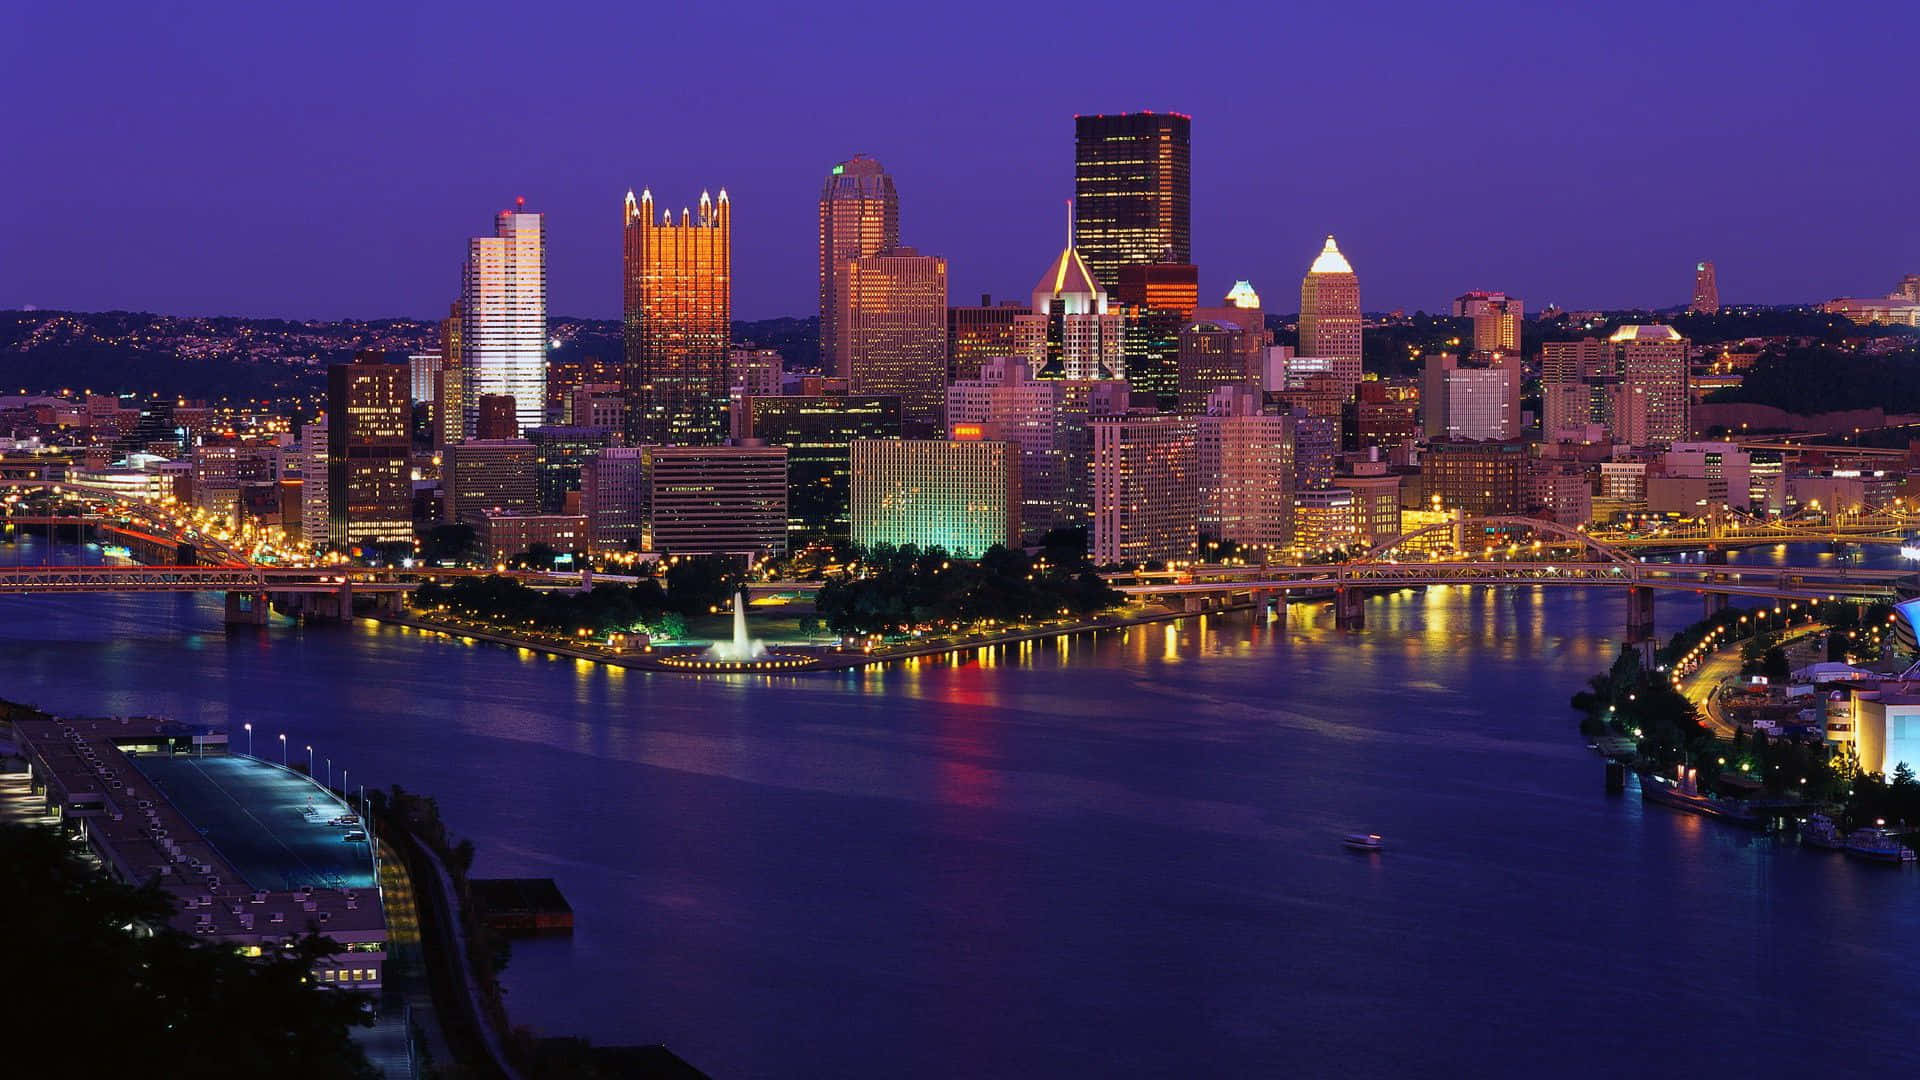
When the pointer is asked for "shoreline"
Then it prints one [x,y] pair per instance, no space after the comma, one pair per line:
[831,660]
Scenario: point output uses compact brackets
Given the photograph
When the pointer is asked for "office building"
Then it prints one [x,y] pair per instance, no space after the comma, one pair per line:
[596,405]
[1330,319]
[1070,333]
[503,536]
[1560,491]
[1047,420]
[560,452]
[892,325]
[1481,479]
[450,385]
[1157,300]
[1497,320]
[1216,352]
[960,495]
[1376,503]
[1325,520]
[613,496]
[496,416]
[859,217]
[1654,403]
[755,372]
[501,475]
[677,312]
[1131,182]
[1244,466]
[716,500]
[818,431]
[423,378]
[1146,494]
[503,311]
[981,332]
[1470,402]
[1385,415]
[1706,291]
[316,499]
[369,439]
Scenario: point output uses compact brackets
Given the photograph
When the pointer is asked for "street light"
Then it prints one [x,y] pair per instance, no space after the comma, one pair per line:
[283,748]
[309,759]
[329,774]
[249,728]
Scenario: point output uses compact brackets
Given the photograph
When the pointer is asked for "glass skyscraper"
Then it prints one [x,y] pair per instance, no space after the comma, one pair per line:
[859,217]
[1131,191]
[503,306]
[678,311]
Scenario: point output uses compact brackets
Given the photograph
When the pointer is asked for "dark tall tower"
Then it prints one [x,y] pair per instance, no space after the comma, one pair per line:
[1130,186]
[678,309]
[369,437]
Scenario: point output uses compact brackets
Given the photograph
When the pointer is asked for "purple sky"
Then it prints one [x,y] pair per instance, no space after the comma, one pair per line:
[321,160]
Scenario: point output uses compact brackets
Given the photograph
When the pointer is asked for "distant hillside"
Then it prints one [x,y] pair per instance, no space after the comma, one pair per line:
[224,358]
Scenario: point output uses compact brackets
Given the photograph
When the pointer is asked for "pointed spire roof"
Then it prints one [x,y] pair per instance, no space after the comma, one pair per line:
[1330,260]
[1068,275]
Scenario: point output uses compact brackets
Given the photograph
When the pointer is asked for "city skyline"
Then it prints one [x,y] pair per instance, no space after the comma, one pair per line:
[1578,153]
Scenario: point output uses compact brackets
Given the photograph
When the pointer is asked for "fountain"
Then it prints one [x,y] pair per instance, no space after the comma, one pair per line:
[740,654]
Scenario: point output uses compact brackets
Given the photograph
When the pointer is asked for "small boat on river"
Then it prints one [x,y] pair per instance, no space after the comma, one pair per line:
[1682,794]
[1363,841]
[1878,845]
[1818,830]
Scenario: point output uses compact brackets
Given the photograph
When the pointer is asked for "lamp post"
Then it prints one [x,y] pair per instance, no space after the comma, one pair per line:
[309,759]
[249,728]
[329,774]
[283,748]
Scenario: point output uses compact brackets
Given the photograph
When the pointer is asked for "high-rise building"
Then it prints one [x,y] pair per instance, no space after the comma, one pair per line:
[1330,319]
[892,325]
[1131,180]
[1481,479]
[1706,291]
[677,311]
[1497,319]
[818,430]
[316,501]
[1384,415]
[503,308]
[1157,301]
[1047,419]
[755,372]
[1652,362]
[1216,352]
[961,495]
[500,475]
[716,500]
[1071,334]
[1578,390]
[369,438]
[450,386]
[1245,471]
[977,333]
[560,453]
[496,416]
[423,378]
[613,495]
[859,216]
[1479,402]
[1326,519]
[1146,499]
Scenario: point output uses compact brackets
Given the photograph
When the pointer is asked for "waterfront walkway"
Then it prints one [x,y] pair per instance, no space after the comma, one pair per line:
[1702,686]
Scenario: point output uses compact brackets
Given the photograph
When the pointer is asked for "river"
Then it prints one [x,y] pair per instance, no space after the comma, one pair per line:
[1110,856]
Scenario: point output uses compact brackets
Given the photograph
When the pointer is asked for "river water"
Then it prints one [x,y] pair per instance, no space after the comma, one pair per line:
[1111,855]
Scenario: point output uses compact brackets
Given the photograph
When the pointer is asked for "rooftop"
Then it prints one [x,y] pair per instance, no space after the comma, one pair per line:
[1331,261]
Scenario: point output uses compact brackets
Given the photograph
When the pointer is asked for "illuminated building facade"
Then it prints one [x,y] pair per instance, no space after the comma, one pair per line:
[503,308]
[1497,320]
[1131,183]
[1215,353]
[961,495]
[1653,404]
[1157,301]
[1330,319]
[613,495]
[500,475]
[818,431]
[450,386]
[1706,291]
[677,313]
[560,453]
[859,216]
[892,324]
[716,500]
[979,333]
[1070,333]
[1146,495]
[369,438]
[1481,479]
[1326,519]
[502,536]
[755,372]
[1047,419]
[1244,462]
[1470,402]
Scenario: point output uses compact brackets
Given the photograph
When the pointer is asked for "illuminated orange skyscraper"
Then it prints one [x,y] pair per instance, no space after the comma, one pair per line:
[892,318]
[859,217]
[678,312]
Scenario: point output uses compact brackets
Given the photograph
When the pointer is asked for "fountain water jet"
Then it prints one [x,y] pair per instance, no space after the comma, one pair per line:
[740,649]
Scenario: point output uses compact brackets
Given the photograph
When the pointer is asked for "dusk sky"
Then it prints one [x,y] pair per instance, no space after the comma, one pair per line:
[330,160]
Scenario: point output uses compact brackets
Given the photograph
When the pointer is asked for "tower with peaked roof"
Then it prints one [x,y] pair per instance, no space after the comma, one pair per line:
[678,321]
[1071,334]
[1330,316]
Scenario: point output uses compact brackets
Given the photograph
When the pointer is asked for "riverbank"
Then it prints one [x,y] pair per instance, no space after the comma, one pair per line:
[821,658]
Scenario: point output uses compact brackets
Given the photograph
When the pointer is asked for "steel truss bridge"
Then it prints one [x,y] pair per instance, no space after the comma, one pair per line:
[1730,528]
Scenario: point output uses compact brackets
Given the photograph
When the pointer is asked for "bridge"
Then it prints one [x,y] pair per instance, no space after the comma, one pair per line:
[1591,563]
[1725,528]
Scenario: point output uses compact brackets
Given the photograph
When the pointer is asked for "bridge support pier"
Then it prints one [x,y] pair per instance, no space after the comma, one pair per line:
[248,609]
[1712,604]
[1640,620]
[1349,609]
[1716,556]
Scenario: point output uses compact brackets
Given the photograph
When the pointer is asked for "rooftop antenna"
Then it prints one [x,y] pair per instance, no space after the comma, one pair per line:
[1069,224]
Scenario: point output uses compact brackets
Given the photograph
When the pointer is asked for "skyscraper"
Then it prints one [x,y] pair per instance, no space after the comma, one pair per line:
[1496,320]
[1071,334]
[1146,498]
[678,312]
[1706,291]
[1157,300]
[1652,362]
[503,308]
[859,216]
[892,324]
[450,412]
[1131,175]
[962,495]
[369,436]
[1330,315]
